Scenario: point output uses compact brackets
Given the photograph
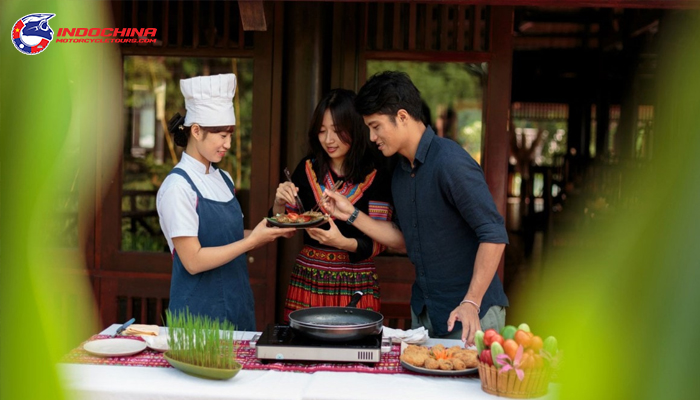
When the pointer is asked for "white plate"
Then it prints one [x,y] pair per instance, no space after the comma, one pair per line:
[299,225]
[114,347]
[439,372]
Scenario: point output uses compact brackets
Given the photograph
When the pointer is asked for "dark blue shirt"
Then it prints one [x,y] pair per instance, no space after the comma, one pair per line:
[444,209]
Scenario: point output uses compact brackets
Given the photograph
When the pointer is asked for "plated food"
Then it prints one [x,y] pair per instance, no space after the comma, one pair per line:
[142,330]
[439,360]
[308,219]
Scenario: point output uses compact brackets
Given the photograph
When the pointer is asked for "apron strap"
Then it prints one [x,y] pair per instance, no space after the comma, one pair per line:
[228,181]
[182,173]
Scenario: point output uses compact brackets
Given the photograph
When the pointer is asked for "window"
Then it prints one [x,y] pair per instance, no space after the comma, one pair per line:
[546,119]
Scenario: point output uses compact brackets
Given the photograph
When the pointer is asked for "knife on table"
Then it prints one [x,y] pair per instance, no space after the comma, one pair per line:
[123,327]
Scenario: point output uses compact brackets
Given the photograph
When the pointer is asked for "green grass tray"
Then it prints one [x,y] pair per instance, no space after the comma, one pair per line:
[203,372]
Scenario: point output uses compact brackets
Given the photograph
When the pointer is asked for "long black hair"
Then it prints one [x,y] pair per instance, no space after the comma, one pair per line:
[351,129]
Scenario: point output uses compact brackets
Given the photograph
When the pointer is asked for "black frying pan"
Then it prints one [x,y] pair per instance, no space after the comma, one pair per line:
[337,324]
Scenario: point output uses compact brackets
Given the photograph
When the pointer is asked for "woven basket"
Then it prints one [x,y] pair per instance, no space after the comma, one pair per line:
[506,384]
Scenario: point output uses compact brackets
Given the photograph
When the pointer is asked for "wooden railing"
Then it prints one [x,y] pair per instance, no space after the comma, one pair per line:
[138,217]
[145,298]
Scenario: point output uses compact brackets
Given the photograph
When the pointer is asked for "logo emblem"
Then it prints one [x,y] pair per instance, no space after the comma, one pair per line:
[32,33]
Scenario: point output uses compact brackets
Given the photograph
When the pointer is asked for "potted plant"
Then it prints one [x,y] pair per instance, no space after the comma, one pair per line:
[201,346]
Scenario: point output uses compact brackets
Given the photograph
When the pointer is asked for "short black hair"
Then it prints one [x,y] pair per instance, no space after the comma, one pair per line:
[388,92]
[360,160]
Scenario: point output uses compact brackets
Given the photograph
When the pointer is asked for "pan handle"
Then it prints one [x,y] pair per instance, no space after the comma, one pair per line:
[355,299]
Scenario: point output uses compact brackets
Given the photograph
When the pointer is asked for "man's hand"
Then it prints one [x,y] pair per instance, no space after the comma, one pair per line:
[469,316]
[340,206]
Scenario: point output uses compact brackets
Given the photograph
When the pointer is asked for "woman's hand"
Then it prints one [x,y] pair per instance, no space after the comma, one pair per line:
[263,234]
[332,237]
[338,205]
[286,193]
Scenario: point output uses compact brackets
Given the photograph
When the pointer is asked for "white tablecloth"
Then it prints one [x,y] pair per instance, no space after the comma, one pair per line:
[107,382]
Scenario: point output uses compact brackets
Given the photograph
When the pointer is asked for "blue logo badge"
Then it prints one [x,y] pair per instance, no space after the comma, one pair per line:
[32,34]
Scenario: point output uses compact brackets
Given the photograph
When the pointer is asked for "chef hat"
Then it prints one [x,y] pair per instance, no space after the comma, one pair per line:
[209,100]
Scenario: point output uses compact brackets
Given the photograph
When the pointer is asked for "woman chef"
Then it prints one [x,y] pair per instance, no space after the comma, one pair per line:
[199,214]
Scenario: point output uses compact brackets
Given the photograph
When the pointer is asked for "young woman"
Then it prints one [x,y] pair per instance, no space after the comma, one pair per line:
[338,260]
[200,215]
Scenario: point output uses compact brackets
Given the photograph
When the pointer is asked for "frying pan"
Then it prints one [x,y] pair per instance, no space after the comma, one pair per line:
[337,324]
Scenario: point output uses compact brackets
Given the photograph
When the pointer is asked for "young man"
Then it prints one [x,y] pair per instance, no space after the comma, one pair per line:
[446,219]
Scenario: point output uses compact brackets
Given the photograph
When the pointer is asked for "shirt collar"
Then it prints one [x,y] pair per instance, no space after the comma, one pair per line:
[422,150]
[195,165]
[424,144]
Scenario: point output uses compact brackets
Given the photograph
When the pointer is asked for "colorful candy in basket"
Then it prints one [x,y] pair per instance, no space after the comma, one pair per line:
[516,363]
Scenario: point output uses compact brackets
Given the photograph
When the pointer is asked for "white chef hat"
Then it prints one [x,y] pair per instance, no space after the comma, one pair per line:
[209,100]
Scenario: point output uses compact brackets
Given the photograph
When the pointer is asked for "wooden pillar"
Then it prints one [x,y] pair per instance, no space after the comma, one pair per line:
[675,103]
[575,127]
[305,81]
[267,104]
[602,116]
[345,58]
[497,109]
[625,135]
[586,129]
[602,109]
[624,138]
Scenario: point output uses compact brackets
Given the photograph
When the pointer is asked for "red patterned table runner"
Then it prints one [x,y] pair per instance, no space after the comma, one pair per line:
[146,358]
[388,363]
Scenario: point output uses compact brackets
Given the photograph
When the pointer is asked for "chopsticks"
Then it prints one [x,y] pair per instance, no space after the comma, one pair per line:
[335,187]
[296,195]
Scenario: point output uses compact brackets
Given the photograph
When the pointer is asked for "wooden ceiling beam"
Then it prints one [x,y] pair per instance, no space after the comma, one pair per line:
[584,16]
[666,4]
[252,15]
[553,35]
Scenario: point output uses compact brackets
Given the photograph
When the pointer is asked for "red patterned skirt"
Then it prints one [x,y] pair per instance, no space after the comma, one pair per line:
[327,278]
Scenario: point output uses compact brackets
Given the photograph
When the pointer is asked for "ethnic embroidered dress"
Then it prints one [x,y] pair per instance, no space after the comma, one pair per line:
[324,276]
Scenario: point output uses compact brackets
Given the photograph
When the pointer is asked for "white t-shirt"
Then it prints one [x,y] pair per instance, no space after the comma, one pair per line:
[176,202]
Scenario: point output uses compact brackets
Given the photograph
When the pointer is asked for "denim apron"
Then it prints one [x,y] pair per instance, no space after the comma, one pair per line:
[222,293]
